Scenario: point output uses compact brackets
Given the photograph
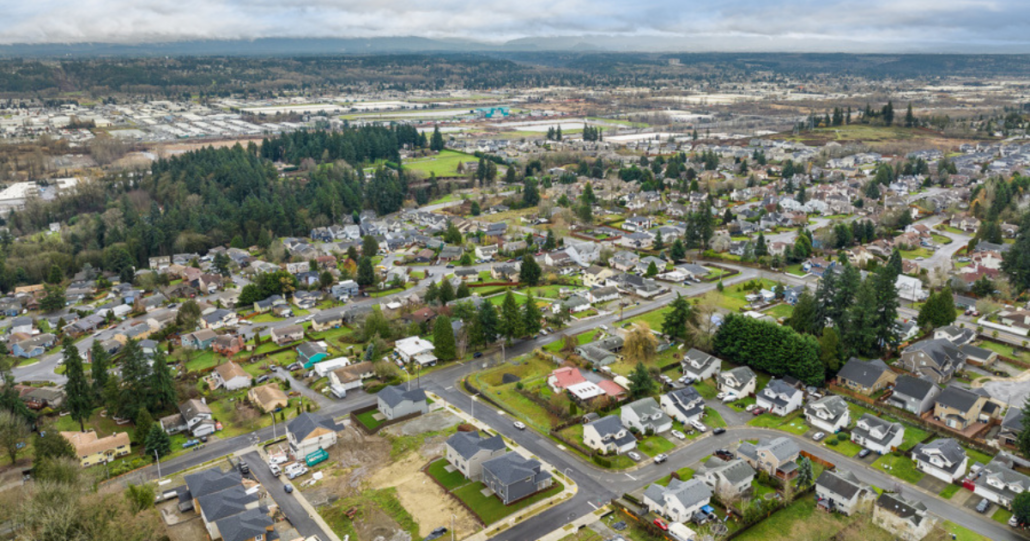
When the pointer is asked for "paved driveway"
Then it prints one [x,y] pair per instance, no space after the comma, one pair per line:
[288,503]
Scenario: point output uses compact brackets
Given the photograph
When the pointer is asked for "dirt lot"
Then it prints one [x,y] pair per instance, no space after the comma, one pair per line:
[363,463]
[165,150]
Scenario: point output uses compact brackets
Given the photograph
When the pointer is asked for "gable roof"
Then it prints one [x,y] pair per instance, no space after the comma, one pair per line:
[512,467]
[913,387]
[230,370]
[467,444]
[396,394]
[304,424]
[957,398]
[862,372]
[211,481]
[842,483]
[246,525]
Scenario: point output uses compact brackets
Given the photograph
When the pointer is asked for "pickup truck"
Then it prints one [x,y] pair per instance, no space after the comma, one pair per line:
[190,443]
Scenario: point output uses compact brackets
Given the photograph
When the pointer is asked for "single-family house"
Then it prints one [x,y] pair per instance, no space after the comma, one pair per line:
[268,397]
[309,432]
[310,353]
[679,500]
[841,492]
[350,377]
[683,405]
[230,376]
[92,450]
[33,347]
[198,417]
[286,334]
[829,413]
[944,459]
[607,435]
[416,349]
[776,456]
[513,477]
[646,416]
[325,320]
[876,434]
[228,344]
[564,377]
[1000,482]
[395,402]
[914,395]
[959,408]
[729,479]
[740,381]
[467,451]
[865,377]
[908,521]
[699,365]
[198,340]
[936,359]
[779,398]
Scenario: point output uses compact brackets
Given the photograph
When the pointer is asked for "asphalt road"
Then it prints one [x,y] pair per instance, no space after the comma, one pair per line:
[294,511]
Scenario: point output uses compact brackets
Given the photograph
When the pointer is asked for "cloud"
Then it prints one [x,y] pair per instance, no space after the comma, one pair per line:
[708,24]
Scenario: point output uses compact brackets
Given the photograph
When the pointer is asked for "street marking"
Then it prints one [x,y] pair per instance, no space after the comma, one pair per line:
[631,477]
[451,388]
[592,505]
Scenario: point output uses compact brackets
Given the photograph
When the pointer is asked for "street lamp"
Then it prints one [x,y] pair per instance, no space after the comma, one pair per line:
[474,405]
[452,525]
[157,457]
[273,425]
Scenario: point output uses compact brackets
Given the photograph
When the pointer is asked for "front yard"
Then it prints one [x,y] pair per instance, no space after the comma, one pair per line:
[901,467]
[490,509]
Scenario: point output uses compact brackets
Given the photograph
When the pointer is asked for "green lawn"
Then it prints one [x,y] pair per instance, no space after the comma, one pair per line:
[795,269]
[368,419]
[1005,349]
[654,445]
[899,466]
[1002,515]
[940,239]
[368,503]
[443,164]
[654,319]
[846,447]
[913,435]
[780,311]
[742,404]
[104,426]
[200,360]
[706,389]
[450,481]
[449,198]
[977,456]
[490,509]
[784,524]
[961,533]
[950,491]
[918,251]
[793,423]
[713,419]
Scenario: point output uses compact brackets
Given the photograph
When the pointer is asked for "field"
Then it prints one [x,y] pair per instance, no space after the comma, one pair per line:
[444,164]
[797,521]
[872,135]
[793,423]
[654,319]
[916,253]
[732,297]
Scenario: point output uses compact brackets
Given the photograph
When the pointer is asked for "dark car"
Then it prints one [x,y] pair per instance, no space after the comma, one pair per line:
[477,354]
[724,454]
[983,506]
[288,489]
[718,431]
[863,453]
[244,468]
[435,534]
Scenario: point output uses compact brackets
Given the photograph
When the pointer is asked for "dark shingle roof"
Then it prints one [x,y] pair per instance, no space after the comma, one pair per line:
[841,483]
[467,444]
[246,525]
[957,398]
[211,481]
[306,423]
[862,372]
[913,387]
[396,394]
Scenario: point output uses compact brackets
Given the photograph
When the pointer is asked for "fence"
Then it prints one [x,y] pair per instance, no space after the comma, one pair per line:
[826,464]
[372,430]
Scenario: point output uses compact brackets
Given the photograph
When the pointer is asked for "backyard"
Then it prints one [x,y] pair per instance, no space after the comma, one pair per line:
[490,509]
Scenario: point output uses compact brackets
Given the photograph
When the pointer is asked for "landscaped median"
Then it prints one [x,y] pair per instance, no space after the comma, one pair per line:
[488,509]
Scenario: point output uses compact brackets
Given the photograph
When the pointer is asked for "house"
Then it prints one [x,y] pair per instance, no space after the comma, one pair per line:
[268,397]
[349,377]
[683,405]
[310,353]
[395,402]
[739,381]
[914,395]
[829,413]
[910,288]
[978,356]
[999,481]
[512,477]
[908,521]
[415,349]
[229,511]
[646,416]
[936,359]
[227,345]
[607,435]
[37,398]
[198,417]
[325,321]
[779,397]
[603,294]
[564,377]
[201,339]
[33,347]
[944,459]
[729,479]
[219,319]
[959,408]
[345,290]
[93,450]
[230,376]
[286,334]
[774,456]
[841,492]
[959,336]
[309,432]
[595,276]
[601,352]
[574,304]
[679,500]
[865,377]
[467,451]
[876,434]
[1011,426]
[699,365]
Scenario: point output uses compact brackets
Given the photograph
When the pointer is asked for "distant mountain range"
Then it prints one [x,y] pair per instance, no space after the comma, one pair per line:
[413,44]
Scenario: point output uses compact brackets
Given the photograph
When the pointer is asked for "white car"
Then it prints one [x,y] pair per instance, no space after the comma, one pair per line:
[520,425]
[634,455]
[750,407]
[698,425]
[294,473]
[720,396]
[819,436]
[730,398]
[275,470]
[678,435]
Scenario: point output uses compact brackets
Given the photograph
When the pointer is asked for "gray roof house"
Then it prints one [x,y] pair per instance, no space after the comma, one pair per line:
[607,435]
[740,381]
[513,477]
[999,481]
[779,397]
[944,459]
[866,377]
[908,521]
[1011,426]
[678,501]
[936,359]
[601,352]
[247,526]
[467,451]
[309,432]
[683,405]
[395,402]
[774,456]
[729,479]
[645,415]
[914,395]
[841,492]
[829,413]
[700,365]
[876,434]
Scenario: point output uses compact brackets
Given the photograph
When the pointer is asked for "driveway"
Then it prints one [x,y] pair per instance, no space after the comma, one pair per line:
[288,503]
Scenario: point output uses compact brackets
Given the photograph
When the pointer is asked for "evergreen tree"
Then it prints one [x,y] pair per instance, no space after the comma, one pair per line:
[678,250]
[446,291]
[760,248]
[530,271]
[370,247]
[1016,261]
[162,383]
[530,192]
[1021,507]
[641,383]
[894,264]
[805,476]
[659,244]
[910,119]
[488,323]
[652,270]
[550,243]
[829,350]
[158,440]
[366,274]
[436,142]
[101,362]
[531,316]
[135,392]
[884,282]
[859,335]
[804,317]
[443,339]
[676,319]
[463,291]
[79,395]
[56,275]
[511,318]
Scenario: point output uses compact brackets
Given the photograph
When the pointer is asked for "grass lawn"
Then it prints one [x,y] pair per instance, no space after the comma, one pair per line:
[104,426]
[916,252]
[962,534]
[950,491]
[451,480]
[706,389]
[940,239]
[1005,349]
[368,419]
[201,360]
[795,269]
[1002,515]
[899,466]
[654,319]
[795,426]
[788,523]
[742,404]
[977,456]
[654,445]
[846,447]
[713,419]
[490,509]
[585,313]
[585,534]
[793,423]
[913,435]
[780,311]
[368,503]
[759,490]
[443,164]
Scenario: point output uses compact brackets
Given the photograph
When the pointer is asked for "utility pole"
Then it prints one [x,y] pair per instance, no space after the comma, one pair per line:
[157,457]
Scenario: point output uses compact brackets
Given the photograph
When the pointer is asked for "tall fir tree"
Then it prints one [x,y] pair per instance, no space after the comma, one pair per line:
[859,334]
[676,319]
[101,363]
[80,397]
[511,318]
[804,318]
[162,383]
[488,322]
[135,392]
[531,316]
[445,347]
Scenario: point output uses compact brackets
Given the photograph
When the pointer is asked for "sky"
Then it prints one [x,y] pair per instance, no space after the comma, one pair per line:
[756,25]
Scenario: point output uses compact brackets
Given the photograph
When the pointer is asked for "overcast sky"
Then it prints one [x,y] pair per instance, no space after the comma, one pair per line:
[834,25]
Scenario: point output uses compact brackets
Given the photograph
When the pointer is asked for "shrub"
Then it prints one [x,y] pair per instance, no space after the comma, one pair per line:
[832,443]
[841,436]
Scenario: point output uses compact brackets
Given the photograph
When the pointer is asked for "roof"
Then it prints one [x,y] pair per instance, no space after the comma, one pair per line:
[913,387]
[268,393]
[308,349]
[211,481]
[841,483]
[957,398]
[87,443]
[735,471]
[567,376]
[862,372]
[833,404]
[610,425]
[512,467]
[225,503]
[396,394]
[688,493]
[193,407]
[203,335]
[467,444]
[304,424]
[868,424]
[246,525]
[230,370]
[948,448]
[913,512]
[742,374]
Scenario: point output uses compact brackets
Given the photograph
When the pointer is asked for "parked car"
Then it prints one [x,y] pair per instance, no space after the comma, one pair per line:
[660,457]
[634,455]
[520,425]
[730,398]
[864,453]
[678,435]
[983,506]
[190,443]
[1013,521]
[477,354]
[750,407]
[686,380]
[288,489]
[698,425]
[436,534]
[661,524]
[758,411]
[724,454]
[297,472]
[244,467]
[819,436]
[718,431]
[275,470]
[720,396]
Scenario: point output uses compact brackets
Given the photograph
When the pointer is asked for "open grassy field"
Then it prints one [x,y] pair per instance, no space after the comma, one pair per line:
[797,521]
[916,252]
[443,164]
